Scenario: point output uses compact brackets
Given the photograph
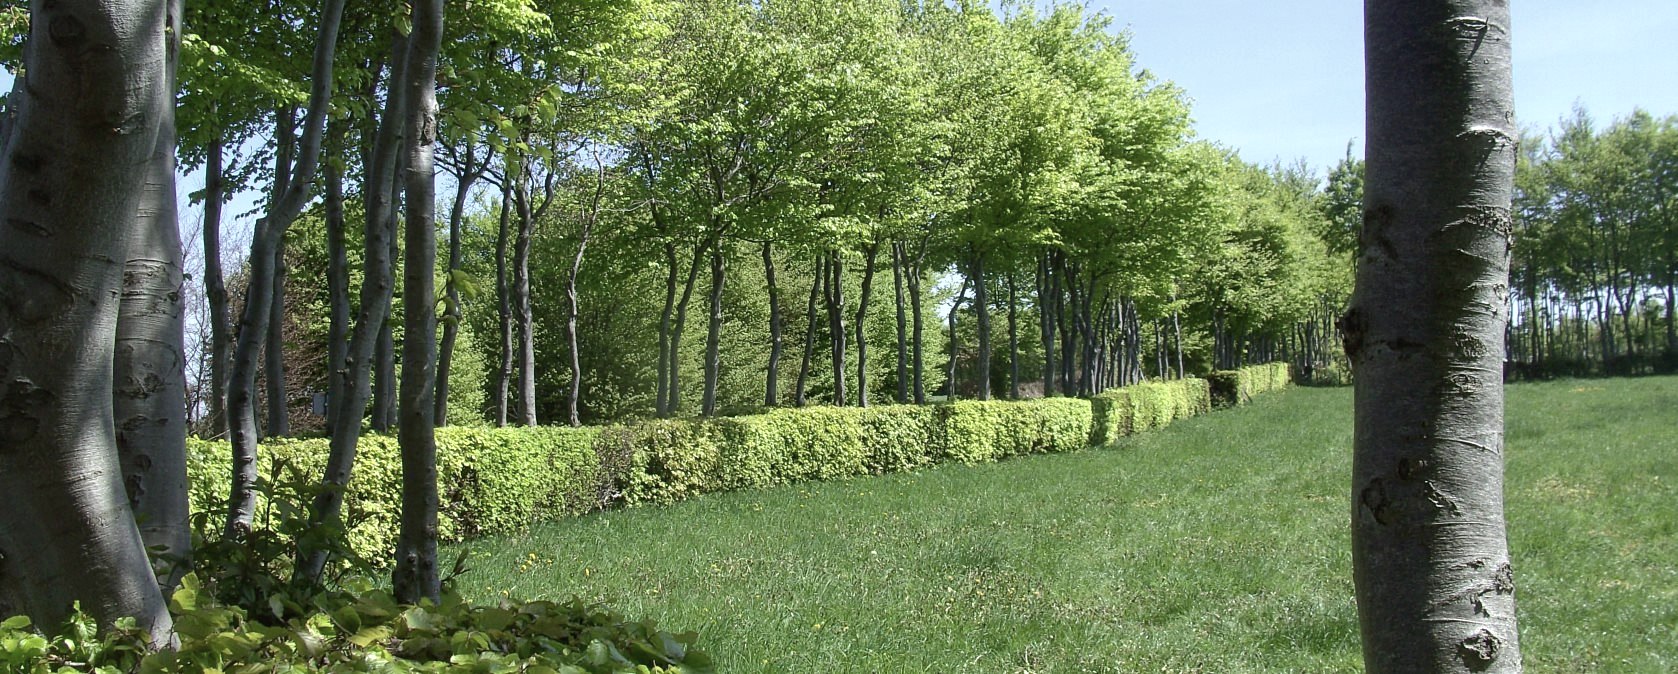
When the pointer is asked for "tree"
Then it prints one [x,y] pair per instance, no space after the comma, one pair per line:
[88,110]
[1424,332]
[417,576]
[265,247]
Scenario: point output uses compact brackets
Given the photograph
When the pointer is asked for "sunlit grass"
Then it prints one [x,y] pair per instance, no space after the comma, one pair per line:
[1216,545]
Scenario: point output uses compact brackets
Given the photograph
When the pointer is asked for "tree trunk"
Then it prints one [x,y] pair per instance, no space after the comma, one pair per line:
[870,253]
[1046,317]
[897,253]
[672,270]
[384,375]
[265,244]
[356,375]
[451,323]
[917,319]
[1013,339]
[590,217]
[504,312]
[836,323]
[1430,559]
[771,384]
[523,315]
[955,307]
[337,281]
[713,334]
[89,108]
[150,363]
[416,576]
[674,404]
[818,284]
[215,286]
[273,352]
[981,312]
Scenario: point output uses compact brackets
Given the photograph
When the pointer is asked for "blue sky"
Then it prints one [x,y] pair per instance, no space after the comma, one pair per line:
[1284,79]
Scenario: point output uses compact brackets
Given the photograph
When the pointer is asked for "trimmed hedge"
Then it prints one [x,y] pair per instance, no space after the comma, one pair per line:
[1146,406]
[1236,387]
[499,481]
[492,481]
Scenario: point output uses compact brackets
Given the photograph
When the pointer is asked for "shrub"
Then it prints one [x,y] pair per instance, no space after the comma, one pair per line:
[899,438]
[491,481]
[983,431]
[669,459]
[791,445]
[1146,406]
[1237,387]
[359,630]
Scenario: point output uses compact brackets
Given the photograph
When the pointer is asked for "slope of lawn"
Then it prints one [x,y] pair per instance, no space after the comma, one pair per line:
[1216,545]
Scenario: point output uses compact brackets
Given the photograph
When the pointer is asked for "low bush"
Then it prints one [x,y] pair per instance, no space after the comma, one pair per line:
[1146,406]
[492,481]
[498,481]
[898,438]
[1236,387]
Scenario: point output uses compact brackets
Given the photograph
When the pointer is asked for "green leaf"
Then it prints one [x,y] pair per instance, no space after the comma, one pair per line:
[370,634]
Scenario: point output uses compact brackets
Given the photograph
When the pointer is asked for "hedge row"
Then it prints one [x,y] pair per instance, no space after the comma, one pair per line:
[1235,387]
[497,481]
[1143,407]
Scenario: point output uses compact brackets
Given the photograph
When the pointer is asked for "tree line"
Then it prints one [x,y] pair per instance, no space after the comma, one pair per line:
[1596,249]
[715,207]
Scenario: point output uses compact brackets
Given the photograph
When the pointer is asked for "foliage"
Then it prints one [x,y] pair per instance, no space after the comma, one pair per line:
[979,432]
[492,480]
[1146,406]
[1237,387]
[361,630]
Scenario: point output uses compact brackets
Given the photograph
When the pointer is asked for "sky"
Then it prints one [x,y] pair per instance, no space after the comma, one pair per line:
[1283,80]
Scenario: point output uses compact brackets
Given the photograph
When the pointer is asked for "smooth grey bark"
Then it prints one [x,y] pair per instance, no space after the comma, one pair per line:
[912,275]
[377,286]
[384,375]
[713,334]
[504,310]
[273,353]
[1177,337]
[523,316]
[150,365]
[671,270]
[337,278]
[870,254]
[955,308]
[902,324]
[674,403]
[1013,339]
[278,423]
[1046,320]
[215,285]
[817,282]
[981,313]
[1424,333]
[835,289]
[772,374]
[591,217]
[470,171]
[270,231]
[416,575]
[87,113]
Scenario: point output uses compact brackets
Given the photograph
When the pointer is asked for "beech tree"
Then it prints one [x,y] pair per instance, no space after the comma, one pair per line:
[1424,333]
[81,138]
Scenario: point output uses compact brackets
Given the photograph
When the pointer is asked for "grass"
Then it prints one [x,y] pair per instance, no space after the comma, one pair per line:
[1217,545]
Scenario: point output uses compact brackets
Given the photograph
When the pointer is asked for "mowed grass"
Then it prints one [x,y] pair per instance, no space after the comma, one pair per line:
[1217,545]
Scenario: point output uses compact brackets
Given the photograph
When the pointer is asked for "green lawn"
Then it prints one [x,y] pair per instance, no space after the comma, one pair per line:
[1216,545]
